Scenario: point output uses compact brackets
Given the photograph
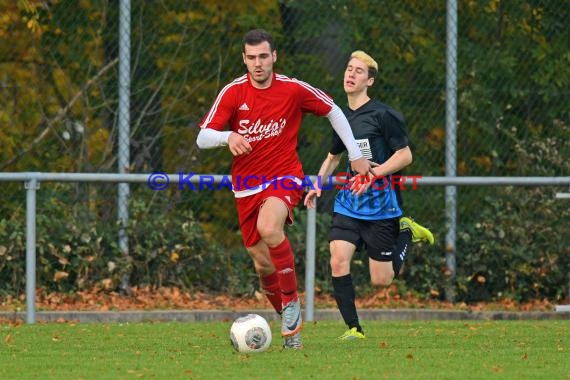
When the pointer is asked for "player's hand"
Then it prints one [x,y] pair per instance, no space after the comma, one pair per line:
[363,179]
[361,166]
[238,144]
[359,184]
[310,200]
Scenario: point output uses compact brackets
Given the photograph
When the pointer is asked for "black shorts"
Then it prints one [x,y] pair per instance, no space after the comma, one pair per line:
[378,237]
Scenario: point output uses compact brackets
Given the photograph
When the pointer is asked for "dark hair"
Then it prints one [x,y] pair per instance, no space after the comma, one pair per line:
[257,36]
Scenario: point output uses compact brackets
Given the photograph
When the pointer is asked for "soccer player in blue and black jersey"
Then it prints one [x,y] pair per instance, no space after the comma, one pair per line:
[368,216]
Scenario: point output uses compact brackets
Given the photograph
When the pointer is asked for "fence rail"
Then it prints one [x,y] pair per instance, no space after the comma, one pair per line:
[176,178]
[32,182]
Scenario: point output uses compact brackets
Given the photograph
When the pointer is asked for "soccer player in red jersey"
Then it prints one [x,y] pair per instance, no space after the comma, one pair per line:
[264,111]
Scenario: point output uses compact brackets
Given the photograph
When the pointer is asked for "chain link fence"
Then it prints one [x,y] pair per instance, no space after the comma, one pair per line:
[61,104]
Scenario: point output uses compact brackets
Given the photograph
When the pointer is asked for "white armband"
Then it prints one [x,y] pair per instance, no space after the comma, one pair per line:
[342,128]
[210,138]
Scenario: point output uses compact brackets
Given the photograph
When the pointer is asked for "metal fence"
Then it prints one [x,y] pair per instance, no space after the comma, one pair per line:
[105,86]
[76,76]
[32,183]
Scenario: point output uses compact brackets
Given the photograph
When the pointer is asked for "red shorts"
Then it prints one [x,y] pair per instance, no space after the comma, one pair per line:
[248,210]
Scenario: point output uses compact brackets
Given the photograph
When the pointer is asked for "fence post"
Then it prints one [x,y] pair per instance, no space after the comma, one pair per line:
[310,263]
[562,308]
[31,187]
[451,146]
[124,128]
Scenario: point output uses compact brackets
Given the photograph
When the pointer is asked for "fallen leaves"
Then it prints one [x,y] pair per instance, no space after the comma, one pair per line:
[150,298]
[59,275]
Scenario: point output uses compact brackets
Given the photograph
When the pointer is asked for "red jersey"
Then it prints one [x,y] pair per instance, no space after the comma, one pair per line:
[269,119]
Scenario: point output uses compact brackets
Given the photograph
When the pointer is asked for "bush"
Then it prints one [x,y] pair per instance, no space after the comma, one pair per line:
[77,248]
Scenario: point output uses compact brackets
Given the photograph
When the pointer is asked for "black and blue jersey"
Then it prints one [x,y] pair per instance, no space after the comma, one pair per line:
[379,131]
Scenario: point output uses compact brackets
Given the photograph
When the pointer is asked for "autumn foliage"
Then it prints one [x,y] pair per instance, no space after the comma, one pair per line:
[59,113]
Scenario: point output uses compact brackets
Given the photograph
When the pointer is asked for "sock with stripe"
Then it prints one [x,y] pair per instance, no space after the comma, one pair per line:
[282,257]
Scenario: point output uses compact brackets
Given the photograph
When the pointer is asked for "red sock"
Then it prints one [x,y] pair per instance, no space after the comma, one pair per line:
[282,257]
[270,286]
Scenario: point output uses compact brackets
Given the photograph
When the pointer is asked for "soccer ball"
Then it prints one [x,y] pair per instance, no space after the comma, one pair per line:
[250,333]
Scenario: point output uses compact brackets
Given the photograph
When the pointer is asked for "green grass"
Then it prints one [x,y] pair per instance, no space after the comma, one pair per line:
[392,350]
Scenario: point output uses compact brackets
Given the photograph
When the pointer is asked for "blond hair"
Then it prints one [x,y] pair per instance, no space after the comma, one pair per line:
[368,60]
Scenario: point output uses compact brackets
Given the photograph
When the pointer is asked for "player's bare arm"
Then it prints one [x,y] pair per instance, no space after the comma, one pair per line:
[327,168]
[398,161]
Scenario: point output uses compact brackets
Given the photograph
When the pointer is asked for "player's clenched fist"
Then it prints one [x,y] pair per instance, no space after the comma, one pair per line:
[238,144]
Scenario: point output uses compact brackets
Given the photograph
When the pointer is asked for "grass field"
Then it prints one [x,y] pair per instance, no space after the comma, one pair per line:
[392,350]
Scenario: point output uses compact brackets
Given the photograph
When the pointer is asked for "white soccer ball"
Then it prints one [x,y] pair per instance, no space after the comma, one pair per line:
[250,333]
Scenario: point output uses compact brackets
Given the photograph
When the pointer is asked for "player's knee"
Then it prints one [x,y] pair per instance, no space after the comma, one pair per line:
[270,235]
[265,230]
[384,279]
[339,265]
